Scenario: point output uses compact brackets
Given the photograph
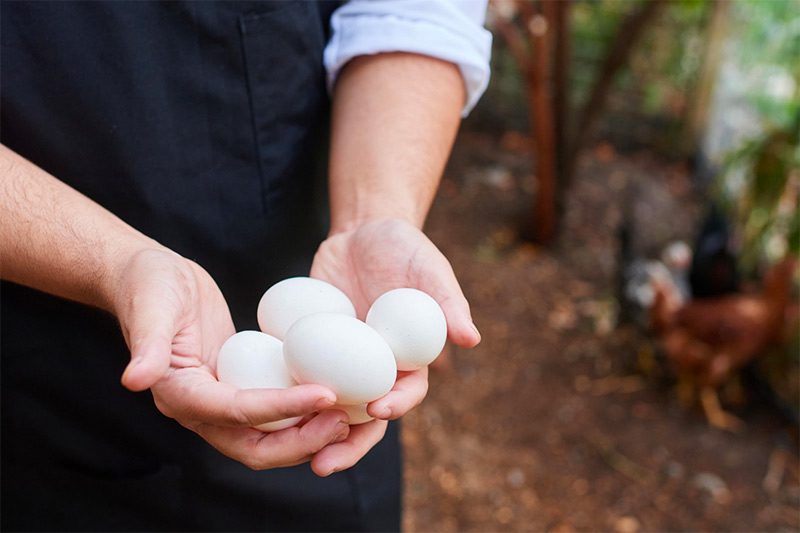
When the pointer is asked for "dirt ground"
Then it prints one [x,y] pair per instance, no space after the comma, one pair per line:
[550,424]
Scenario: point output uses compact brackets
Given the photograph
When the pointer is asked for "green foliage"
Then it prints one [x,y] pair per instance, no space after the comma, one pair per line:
[764,37]
[767,43]
[655,89]
[652,88]
[760,179]
[793,236]
[760,183]
[769,30]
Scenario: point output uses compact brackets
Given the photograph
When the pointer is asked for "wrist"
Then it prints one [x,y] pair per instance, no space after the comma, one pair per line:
[113,292]
[350,224]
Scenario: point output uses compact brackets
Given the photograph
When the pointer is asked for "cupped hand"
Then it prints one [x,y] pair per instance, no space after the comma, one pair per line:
[175,319]
[365,262]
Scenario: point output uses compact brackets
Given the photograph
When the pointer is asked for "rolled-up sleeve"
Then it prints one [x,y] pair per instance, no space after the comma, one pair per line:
[451,30]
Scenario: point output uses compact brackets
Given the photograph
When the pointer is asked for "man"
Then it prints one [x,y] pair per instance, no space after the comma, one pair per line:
[159,156]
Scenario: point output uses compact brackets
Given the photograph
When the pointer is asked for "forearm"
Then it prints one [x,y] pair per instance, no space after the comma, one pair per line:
[57,240]
[395,117]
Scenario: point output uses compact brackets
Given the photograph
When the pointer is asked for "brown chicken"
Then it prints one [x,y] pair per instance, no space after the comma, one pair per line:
[708,339]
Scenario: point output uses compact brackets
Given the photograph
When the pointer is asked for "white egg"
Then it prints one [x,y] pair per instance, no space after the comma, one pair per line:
[413,325]
[356,413]
[254,360]
[341,353]
[291,299]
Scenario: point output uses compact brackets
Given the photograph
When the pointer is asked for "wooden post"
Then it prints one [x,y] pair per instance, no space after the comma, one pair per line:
[562,51]
[540,106]
[539,42]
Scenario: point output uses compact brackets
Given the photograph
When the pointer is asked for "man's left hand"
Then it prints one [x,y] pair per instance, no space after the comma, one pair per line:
[365,262]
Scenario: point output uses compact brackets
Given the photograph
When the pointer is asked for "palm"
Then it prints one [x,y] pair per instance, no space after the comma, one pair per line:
[202,328]
[387,254]
[369,261]
[175,320]
[207,324]
[171,304]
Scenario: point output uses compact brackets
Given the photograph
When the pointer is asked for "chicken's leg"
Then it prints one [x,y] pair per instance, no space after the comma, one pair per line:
[715,415]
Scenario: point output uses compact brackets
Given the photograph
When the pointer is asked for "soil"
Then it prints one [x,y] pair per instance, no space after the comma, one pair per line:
[561,419]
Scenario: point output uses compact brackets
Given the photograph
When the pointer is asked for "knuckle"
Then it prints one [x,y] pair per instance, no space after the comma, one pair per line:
[248,408]
[308,444]
[287,411]
[239,415]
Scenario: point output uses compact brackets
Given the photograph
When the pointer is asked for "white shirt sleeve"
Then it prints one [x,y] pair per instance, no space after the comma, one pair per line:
[451,30]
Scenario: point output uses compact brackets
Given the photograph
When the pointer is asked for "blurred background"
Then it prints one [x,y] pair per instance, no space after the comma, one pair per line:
[622,211]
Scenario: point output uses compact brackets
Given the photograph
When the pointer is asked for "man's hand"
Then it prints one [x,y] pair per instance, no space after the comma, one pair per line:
[172,314]
[175,320]
[395,117]
[365,262]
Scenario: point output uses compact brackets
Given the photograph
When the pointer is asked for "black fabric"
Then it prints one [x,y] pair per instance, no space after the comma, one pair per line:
[202,125]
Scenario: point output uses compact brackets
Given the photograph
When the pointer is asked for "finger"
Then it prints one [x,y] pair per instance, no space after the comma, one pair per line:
[341,456]
[192,394]
[286,447]
[149,330]
[408,392]
[441,283]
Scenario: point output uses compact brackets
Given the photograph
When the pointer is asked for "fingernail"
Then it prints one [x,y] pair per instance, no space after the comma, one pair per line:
[341,435]
[323,403]
[333,470]
[475,329]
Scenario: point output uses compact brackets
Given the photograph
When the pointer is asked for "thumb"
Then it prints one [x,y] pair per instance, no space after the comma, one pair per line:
[441,284]
[150,328]
[460,328]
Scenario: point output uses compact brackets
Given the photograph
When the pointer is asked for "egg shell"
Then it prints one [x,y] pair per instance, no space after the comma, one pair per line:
[291,299]
[254,360]
[341,353]
[413,325]
[356,413]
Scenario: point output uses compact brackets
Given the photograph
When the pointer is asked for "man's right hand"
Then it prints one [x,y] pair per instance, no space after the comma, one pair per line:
[175,319]
[173,316]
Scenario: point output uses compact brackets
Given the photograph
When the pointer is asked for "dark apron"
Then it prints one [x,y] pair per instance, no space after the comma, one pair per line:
[202,125]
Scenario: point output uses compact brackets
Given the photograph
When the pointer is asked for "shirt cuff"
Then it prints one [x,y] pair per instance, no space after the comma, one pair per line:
[356,33]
